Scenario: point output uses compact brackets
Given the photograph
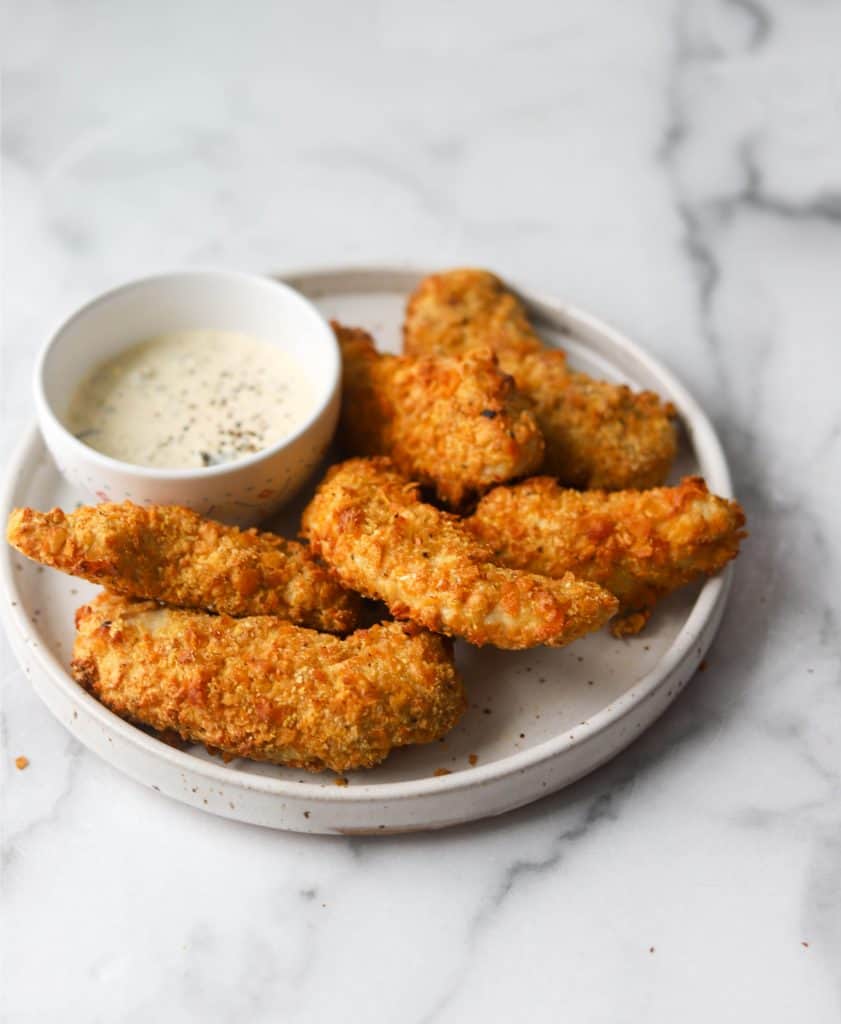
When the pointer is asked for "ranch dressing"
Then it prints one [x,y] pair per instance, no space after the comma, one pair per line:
[191,398]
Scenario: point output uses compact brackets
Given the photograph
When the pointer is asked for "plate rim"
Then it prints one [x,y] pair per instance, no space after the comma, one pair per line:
[713,594]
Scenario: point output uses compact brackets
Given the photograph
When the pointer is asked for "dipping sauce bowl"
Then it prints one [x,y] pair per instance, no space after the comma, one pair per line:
[243,491]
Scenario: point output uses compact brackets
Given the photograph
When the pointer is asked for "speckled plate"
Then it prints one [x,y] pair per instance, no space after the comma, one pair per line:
[538,720]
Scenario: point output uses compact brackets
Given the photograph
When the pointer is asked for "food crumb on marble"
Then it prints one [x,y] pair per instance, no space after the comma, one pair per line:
[340,781]
[21,763]
[472,758]
[441,771]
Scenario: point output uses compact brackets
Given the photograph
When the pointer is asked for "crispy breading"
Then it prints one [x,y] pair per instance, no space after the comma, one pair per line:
[168,553]
[262,688]
[456,424]
[598,434]
[459,310]
[368,523]
[639,545]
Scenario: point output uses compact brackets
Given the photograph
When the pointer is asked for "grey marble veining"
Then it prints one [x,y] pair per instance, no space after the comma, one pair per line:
[676,168]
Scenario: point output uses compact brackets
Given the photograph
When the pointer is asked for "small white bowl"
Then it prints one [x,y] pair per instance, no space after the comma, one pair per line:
[241,492]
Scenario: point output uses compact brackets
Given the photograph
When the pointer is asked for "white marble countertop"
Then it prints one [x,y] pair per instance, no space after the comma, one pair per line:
[676,168]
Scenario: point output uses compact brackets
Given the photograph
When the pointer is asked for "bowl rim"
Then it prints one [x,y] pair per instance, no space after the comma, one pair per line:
[47,417]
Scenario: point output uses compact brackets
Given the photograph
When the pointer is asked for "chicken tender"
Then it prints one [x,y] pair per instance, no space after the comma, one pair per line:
[262,688]
[168,553]
[459,310]
[639,545]
[453,423]
[598,434]
[368,523]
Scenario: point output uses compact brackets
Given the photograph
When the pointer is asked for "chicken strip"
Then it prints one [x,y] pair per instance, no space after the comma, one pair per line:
[639,545]
[459,310]
[262,688]
[368,523]
[456,424]
[598,434]
[168,553]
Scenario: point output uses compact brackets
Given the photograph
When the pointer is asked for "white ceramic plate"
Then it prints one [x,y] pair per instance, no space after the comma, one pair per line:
[538,720]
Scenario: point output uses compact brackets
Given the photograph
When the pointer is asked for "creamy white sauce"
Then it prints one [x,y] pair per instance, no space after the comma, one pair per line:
[191,398]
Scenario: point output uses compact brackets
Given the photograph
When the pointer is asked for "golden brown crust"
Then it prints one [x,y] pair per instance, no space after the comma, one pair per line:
[454,423]
[168,553]
[639,545]
[460,310]
[368,523]
[262,688]
[598,434]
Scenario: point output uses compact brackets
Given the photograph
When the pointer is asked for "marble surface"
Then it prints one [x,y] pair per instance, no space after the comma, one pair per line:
[675,167]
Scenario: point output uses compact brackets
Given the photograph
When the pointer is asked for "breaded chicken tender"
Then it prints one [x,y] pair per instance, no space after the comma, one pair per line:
[459,310]
[598,434]
[171,554]
[262,688]
[454,423]
[639,545]
[368,523]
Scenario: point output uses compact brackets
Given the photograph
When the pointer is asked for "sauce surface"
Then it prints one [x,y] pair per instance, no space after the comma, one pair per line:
[191,398]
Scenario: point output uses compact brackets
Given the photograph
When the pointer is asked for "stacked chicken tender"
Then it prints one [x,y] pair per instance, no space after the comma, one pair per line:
[251,644]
